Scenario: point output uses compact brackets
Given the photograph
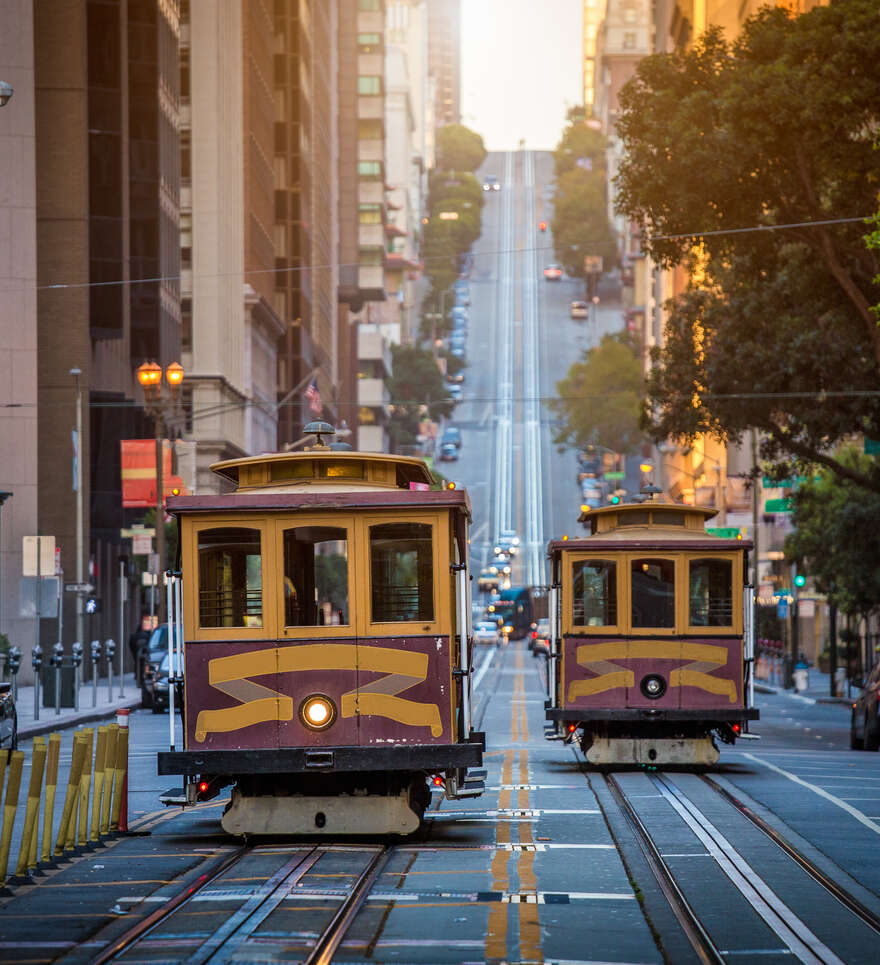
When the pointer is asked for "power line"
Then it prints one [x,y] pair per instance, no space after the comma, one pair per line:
[760,227]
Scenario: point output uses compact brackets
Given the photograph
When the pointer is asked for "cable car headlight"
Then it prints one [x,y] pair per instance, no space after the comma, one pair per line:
[317,712]
[653,686]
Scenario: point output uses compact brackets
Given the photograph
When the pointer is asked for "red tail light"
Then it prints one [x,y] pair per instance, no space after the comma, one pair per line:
[735,728]
[534,634]
[438,781]
[572,728]
[203,787]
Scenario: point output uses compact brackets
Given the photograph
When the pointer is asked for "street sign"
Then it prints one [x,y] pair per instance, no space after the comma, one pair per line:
[149,579]
[723,532]
[614,475]
[78,588]
[141,545]
[137,531]
[872,447]
[782,609]
[37,555]
[449,216]
[38,592]
[778,505]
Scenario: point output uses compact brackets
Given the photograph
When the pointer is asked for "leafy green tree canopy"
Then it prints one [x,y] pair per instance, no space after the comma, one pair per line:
[773,129]
[580,221]
[459,148]
[580,147]
[600,397]
[417,389]
[837,539]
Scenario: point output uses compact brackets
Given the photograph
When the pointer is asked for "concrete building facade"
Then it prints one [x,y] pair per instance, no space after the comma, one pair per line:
[444,59]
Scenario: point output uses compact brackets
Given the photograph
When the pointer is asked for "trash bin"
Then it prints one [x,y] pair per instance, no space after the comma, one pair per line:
[801,678]
[47,680]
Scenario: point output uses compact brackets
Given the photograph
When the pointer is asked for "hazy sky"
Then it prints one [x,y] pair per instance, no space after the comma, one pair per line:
[521,69]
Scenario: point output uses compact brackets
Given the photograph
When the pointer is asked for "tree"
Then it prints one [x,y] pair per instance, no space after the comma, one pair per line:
[600,398]
[836,537]
[417,389]
[458,148]
[772,130]
[580,146]
[580,222]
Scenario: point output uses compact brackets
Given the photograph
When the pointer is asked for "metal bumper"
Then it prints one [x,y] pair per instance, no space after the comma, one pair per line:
[326,760]
[645,714]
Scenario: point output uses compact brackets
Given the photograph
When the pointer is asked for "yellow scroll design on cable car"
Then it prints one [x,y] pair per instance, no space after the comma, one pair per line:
[600,659]
[259,704]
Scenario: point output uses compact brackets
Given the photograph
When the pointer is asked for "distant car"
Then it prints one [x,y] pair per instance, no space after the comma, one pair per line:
[487,581]
[159,687]
[486,632]
[458,340]
[491,183]
[458,377]
[864,727]
[462,298]
[459,311]
[458,351]
[553,273]
[502,563]
[8,718]
[507,543]
[448,452]
[455,392]
[579,309]
[539,639]
[451,434]
[151,655]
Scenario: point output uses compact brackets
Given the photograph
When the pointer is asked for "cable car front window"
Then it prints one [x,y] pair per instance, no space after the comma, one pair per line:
[315,576]
[401,572]
[230,578]
[710,593]
[594,593]
[653,593]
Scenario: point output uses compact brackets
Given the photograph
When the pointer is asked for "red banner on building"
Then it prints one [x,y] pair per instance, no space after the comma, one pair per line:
[139,473]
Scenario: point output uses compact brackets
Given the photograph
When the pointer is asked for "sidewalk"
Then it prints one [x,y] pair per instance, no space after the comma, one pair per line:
[49,721]
[818,689]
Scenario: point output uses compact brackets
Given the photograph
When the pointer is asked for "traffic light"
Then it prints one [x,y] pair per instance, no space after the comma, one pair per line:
[615,500]
[542,225]
[800,580]
[93,604]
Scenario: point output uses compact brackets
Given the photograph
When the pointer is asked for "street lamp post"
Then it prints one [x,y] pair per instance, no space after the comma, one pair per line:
[149,375]
[77,483]
[4,495]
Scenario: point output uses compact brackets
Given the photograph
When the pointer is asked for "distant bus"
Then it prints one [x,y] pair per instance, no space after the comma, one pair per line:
[520,608]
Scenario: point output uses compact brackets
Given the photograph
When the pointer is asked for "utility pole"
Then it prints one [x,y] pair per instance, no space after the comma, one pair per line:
[77,486]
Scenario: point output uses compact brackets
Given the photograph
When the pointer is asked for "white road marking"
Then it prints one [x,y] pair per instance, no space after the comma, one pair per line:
[484,666]
[860,816]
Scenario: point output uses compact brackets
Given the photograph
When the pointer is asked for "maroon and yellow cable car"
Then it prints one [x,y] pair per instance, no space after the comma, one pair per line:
[651,636]
[326,643]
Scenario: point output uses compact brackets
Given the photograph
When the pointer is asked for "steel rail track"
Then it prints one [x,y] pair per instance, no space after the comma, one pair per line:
[705,949]
[829,884]
[241,924]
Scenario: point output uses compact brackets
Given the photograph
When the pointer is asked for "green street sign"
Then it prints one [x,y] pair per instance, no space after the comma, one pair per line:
[872,447]
[778,505]
[614,475]
[723,532]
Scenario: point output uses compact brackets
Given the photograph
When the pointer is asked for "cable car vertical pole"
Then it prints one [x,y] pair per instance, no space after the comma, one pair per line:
[172,624]
[464,661]
[178,675]
[749,628]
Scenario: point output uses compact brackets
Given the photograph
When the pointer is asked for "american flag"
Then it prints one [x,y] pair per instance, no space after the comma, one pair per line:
[314,397]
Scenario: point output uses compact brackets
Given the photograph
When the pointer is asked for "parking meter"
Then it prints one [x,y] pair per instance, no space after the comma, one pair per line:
[14,665]
[37,663]
[55,661]
[110,649]
[96,659]
[77,671]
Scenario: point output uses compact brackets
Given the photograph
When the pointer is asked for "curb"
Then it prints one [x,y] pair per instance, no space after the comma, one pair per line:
[83,717]
[767,689]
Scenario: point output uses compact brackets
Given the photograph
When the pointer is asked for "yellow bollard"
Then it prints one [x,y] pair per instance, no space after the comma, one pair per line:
[51,788]
[85,780]
[64,841]
[3,761]
[109,771]
[16,763]
[35,837]
[119,776]
[32,809]
[97,783]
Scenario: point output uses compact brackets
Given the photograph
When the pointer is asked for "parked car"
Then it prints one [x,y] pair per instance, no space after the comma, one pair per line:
[864,727]
[159,688]
[151,656]
[553,273]
[487,632]
[8,718]
[580,310]
[487,582]
[451,434]
[491,183]
[455,392]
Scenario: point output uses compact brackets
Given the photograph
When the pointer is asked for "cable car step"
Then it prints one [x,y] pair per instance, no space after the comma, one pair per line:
[174,797]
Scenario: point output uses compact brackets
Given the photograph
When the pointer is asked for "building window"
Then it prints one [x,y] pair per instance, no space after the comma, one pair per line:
[230,578]
[629,40]
[185,156]
[369,85]
[369,4]
[629,15]
[370,129]
[370,170]
[186,324]
[401,572]
[184,71]
[369,43]
[653,593]
[371,256]
[315,576]
[370,213]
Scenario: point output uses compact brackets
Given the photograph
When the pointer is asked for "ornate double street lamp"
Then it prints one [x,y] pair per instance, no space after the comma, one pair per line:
[162,408]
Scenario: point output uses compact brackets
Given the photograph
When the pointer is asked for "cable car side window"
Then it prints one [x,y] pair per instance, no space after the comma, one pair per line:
[401,572]
[710,593]
[653,593]
[316,576]
[594,593]
[230,577]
